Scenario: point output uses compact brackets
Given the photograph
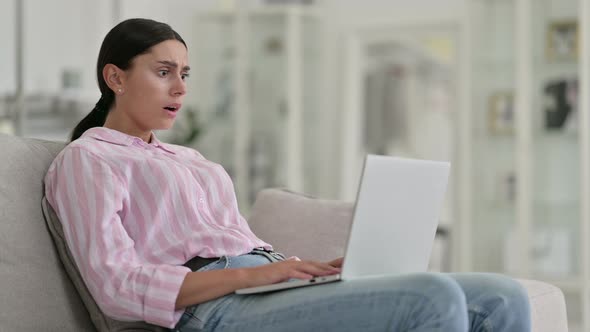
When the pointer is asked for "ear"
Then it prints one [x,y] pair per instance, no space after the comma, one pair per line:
[114,77]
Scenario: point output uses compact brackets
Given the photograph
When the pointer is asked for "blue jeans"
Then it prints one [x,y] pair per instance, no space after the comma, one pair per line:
[419,302]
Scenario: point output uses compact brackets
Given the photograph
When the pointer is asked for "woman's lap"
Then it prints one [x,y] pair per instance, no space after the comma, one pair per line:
[418,302]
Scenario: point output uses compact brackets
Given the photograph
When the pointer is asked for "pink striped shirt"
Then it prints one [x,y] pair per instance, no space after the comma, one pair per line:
[134,212]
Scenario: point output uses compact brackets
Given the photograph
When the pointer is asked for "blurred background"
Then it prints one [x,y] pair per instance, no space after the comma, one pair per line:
[294,93]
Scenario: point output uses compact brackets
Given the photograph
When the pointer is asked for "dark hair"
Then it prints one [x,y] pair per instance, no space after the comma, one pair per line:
[124,42]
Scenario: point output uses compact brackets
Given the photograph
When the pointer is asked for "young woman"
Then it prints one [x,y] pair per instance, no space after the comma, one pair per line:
[156,233]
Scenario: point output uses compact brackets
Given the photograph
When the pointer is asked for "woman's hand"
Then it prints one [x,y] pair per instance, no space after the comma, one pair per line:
[199,287]
[288,269]
[337,262]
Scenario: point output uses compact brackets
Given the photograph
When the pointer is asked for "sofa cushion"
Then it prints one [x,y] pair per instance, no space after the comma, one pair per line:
[100,320]
[35,293]
[310,228]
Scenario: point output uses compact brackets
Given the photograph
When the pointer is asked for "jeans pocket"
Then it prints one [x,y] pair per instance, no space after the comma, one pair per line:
[219,264]
[272,256]
[195,318]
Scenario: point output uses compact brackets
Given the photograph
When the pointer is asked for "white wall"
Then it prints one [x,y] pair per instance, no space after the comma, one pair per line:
[57,35]
[180,14]
[7,50]
[52,42]
[66,34]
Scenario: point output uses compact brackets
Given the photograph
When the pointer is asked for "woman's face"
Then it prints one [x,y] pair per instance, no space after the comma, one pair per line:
[153,88]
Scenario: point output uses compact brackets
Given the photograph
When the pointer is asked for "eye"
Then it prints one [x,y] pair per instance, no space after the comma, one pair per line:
[185,76]
[162,73]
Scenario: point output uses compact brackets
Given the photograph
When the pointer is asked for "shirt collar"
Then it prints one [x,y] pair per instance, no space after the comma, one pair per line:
[156,142]
[120,138]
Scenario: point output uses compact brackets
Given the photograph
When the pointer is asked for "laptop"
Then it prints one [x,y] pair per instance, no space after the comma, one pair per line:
[394,221]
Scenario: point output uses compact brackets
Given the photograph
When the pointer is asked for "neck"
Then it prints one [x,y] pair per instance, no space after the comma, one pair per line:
[123,124]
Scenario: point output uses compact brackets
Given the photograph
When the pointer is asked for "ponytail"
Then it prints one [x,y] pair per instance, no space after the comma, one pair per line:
[96,118]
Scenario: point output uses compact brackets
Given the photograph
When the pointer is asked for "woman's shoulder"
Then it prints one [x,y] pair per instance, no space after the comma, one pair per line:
[86,150]
[89,147]
[79,157]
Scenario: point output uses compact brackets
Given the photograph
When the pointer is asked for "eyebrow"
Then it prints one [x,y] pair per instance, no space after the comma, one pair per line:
[173,64]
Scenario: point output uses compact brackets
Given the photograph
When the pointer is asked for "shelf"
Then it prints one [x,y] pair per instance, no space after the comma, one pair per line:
[490,62]
[262,11]
[541,64]
[509,51]
[540,137]
[486,136]
[258,86]
[555,136]
[556,204]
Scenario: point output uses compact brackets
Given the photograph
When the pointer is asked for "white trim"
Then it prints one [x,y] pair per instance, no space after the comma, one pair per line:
[401,22]
[351,133]
[19,104]
[462,245]
[242,105]
[116,11]
[293,152]
[523,101]
[584,114]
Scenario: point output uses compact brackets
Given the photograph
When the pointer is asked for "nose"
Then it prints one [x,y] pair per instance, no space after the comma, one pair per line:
[179,87]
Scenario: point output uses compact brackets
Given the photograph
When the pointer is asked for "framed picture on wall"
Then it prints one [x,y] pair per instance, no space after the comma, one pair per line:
[562,40]
[501,113]
[560,104]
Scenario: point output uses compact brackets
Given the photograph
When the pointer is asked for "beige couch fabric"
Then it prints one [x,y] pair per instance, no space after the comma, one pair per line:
[35,291]
[547,306]
[301,225]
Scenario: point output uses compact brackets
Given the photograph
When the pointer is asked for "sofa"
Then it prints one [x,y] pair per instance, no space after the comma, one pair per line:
[36,293]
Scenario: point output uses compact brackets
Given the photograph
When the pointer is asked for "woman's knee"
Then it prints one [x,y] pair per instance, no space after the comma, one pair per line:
[492,285]
[514,305]
[498,299]
[445,305]
[438,290]
[439,287]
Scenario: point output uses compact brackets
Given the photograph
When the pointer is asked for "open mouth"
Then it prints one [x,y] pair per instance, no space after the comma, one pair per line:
[172,109]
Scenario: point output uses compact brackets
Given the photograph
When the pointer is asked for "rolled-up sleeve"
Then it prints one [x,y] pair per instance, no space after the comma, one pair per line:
[89,198]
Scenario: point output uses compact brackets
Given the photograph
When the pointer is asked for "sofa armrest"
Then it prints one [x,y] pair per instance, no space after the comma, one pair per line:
[548,308]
